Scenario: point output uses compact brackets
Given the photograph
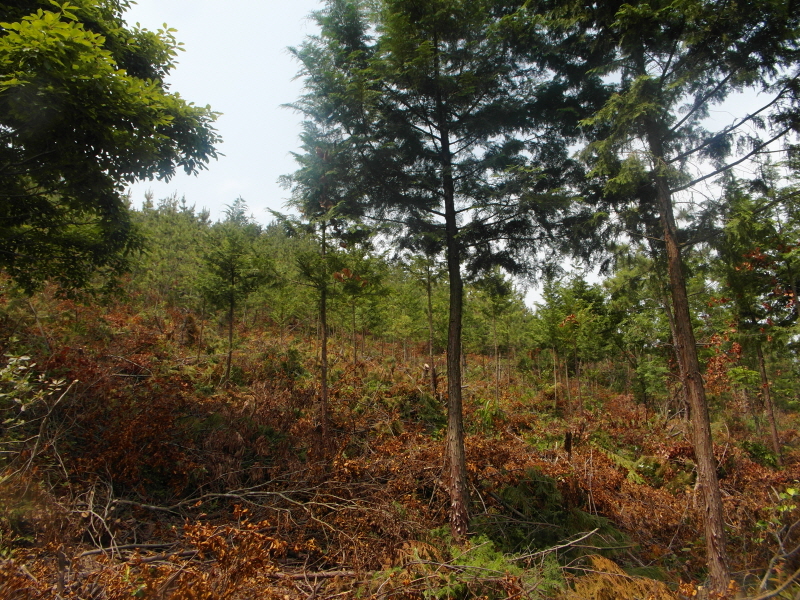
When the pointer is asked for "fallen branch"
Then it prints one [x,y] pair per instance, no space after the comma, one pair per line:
[160,557]
[779,590]
[556,548]
[124,547]
[317,575]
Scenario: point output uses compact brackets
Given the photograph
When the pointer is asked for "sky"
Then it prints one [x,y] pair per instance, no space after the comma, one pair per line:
[236,61]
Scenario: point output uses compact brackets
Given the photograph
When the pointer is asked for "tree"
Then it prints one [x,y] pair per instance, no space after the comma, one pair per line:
[174,238]
[758,267]
[233,268]
[423,266]
[359,276]
[496,291]
[433,119]
[674,61]
[84,110]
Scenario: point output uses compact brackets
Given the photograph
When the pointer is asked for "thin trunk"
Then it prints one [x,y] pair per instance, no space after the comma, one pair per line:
[750,404]
[456,456]
[566,385]
[202,326]
[577,375]
[41,329]
[768,404]
[555,380]
[323,324]
[355,341]
[428,290]
[707,482]
[496,364]
[230,338]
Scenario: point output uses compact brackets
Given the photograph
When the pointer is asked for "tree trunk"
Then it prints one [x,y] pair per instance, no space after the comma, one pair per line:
[355,340]
[566,385]
[678,358]
[231,307]
[578,376]
[456,456]
[202,326]
[707,482]
[768,404]
[323,323]
[555,380]
[496,364]
[428,290]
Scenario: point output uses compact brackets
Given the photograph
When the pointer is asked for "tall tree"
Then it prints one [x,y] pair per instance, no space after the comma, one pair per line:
[437,118]
[674,61]
[84,110]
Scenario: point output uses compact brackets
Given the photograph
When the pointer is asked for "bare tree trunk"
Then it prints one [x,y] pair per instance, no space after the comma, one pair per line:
[555,380]
[496,364]
[456,456]
[678,358]
[202,327]
[231,308]
[432,363]
[768,404]
[566,385]
[707,482]
[323,323]
[355,340]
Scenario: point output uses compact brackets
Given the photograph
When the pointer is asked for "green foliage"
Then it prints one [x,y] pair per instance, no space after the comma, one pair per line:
[232,266]
[534,516]
[652,469]
[490,415]
[84,109]
[421,407]
[760,453]
[281,362]
[23,398]
[475,569]
[482,560]
[175,239]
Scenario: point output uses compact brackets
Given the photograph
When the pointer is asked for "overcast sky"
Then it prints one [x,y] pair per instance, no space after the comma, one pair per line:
[235,60]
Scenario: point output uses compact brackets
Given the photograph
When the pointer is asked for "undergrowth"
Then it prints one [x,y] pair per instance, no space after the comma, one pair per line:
[147,479]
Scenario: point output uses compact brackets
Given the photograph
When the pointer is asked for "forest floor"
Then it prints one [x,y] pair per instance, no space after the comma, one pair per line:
[137,475]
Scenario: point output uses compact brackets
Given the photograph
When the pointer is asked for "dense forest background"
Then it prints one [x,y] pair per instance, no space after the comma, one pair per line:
[527,330]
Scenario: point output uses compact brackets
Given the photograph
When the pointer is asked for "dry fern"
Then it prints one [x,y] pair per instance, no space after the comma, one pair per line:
[607,581]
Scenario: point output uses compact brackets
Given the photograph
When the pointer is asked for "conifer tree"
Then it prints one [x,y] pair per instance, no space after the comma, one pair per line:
[674,61]
[438,123]
[233,269]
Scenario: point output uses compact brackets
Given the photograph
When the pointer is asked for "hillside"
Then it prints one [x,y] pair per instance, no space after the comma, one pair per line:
[130,471]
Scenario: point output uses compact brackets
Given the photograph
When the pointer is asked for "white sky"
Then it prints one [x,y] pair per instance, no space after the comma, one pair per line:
[236,60]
